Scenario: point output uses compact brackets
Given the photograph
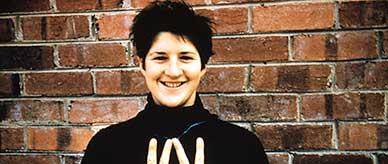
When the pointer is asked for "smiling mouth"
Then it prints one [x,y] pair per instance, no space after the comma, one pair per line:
[173,84]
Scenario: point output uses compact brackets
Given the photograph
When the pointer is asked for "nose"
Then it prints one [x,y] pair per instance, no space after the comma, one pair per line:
[173,69]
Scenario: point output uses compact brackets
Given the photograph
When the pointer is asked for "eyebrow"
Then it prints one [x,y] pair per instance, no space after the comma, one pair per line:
[158,52]
[163,52]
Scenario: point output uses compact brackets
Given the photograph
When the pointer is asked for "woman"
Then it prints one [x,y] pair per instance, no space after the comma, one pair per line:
[173,44]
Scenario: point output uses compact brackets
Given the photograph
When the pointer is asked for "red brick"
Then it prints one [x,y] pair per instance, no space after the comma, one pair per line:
[340,46]
[305,16]
[363,14]
[102,111]
[32,111]
[333,159]
[272,48]
[120,82]
[55,27]
[210,103]
[243,1]
[222,79]
[23,57]
[9,85]
[277,158]
[228,20]
[67,139]
[296,78]
[11,138]
[229,1]
[82,5]
[58,84]
[114,26]
[32,159]
[371,75]
[143,3]
[254,108]
[382,158]
[73,159]
[7,30]
[362,136]
[343,106]
[385,44]
[90,55]
[240,1]
[280,137]
[24,6]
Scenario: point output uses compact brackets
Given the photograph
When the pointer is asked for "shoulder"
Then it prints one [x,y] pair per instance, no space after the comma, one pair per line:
[223,132]
[236,142]
[117,130]
[233,130]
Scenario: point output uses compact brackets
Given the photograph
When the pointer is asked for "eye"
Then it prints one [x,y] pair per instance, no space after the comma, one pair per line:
[160,58]
[185,57]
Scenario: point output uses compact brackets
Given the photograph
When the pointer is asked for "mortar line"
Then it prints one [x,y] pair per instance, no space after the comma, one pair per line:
[231,94]
[250,19]
[290,158]
[94,83]
[56,56]
[335,138]
[18,29]
[290,48]
[235,35]
[380,44]
[66,108]
[239,35]
[128,54]
[299,112]
[21,84]
[198,6]
[62,159]
[248,79]
[336,15]
[92,27]
[221,65]
[25,138]
[374,159]
[53,6]
[386,107]
[332,77]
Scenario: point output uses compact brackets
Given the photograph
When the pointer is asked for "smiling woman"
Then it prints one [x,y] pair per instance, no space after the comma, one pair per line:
[172,70]
[173,44]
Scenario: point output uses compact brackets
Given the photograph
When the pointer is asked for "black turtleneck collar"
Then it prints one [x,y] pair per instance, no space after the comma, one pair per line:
[151,105]
[174,122]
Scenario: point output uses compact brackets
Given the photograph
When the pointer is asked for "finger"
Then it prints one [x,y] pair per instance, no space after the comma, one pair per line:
[180,152]
[200,152]
[151,157]
[165,158]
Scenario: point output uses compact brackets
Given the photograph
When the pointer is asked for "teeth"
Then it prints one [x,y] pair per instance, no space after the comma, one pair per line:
[172,85]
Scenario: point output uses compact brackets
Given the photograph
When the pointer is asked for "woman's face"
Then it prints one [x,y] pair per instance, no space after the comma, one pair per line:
[172,70]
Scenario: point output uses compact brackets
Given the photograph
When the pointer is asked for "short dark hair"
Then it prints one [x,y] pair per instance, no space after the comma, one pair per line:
[176,17]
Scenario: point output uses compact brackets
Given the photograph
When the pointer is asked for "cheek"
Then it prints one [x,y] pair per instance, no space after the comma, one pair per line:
[194,72]
[151,71]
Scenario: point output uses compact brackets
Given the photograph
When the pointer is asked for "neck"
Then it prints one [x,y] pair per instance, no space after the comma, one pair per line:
[196,103]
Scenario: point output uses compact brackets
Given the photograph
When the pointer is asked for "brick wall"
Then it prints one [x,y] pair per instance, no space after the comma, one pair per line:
[310,78]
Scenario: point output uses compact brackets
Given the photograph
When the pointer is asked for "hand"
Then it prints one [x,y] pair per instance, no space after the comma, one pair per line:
[165,157]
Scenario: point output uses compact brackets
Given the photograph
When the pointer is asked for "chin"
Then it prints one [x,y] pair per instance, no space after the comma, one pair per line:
[172,102]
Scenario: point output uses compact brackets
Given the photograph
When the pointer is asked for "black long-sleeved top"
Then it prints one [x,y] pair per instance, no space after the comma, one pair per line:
[127,142]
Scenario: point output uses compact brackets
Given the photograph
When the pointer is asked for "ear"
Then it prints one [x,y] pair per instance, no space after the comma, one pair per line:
[203,71]
[139,61]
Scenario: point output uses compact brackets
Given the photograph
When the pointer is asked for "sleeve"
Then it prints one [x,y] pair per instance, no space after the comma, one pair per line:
[255,151]
[241,146]
[96,151]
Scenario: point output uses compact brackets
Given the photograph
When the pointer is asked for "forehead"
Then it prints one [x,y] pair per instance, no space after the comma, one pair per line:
[170,41]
